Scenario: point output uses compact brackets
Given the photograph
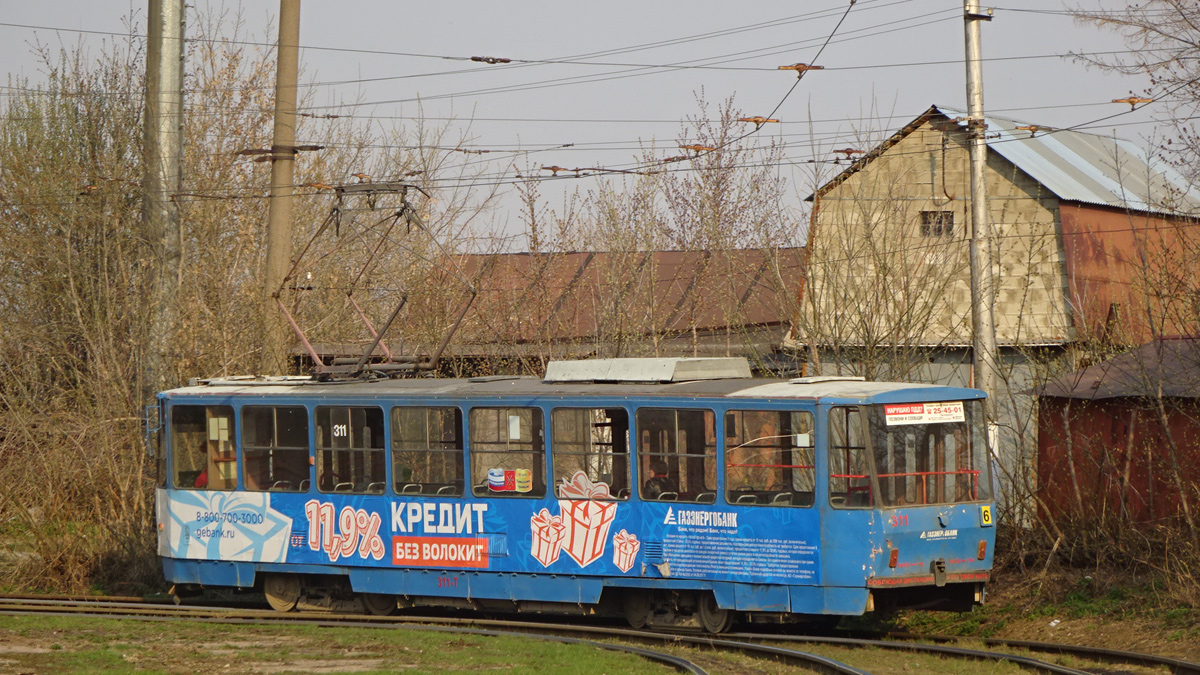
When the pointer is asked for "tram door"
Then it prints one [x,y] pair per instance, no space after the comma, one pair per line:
[848,545]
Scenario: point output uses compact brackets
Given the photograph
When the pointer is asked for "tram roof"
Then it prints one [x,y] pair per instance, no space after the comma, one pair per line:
[849,391]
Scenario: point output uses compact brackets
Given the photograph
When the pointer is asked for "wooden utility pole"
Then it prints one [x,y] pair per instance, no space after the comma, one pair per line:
[279,222]
[162,176]
[983,295]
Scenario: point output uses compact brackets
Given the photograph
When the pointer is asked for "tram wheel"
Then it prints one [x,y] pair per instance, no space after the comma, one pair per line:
[712,618]
[282,591]
[379,604]
[637,608]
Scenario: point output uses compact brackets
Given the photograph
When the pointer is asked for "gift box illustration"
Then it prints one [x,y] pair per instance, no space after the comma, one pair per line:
[585,519]
[625,549]
[548,534]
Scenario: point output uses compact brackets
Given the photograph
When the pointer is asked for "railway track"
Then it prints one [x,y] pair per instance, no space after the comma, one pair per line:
[771,646]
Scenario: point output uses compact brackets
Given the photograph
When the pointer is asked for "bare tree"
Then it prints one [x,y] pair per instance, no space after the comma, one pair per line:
[74,337]
[1164,41]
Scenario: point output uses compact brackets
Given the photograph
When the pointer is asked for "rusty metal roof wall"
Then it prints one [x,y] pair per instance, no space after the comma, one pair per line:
[1172,364]
[538,296]
[1090,168]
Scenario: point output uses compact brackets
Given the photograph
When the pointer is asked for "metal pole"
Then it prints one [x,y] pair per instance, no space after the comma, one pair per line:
[279,221]
[162,176]
[983,296]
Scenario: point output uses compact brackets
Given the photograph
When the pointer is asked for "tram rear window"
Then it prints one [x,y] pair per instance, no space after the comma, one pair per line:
[677,455]
[595,442]
[202,449]
[930,453]
[769,458]
[275,448]
[508,452]
[350,450]
[427,451]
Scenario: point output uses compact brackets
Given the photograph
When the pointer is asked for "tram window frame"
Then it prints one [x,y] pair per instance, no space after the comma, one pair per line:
[530,441]
[940,463]
[410,452]
[853,437]
[159,447]
[285,452]
[608,427]
[214,441]
[658,442]
[334,462]
[762,469]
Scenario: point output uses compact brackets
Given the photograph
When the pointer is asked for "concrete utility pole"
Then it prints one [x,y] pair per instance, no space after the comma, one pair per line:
[162,176]
[983,295]
[279,222]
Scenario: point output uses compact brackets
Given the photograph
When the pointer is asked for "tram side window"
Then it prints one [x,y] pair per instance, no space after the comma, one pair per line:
[350,450]
[769,458]
[849,464]
[677,455]
[202,452]
[275,448]
[508,452]
[596,442]
[427,451]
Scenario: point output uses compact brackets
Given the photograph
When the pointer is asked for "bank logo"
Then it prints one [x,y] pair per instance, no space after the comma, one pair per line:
[723,519]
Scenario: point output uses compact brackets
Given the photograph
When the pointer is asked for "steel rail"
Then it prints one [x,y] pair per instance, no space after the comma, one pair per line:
[1026,662]
[678,663]
[519,628]
[161,612]
[134,607]
[1176,666]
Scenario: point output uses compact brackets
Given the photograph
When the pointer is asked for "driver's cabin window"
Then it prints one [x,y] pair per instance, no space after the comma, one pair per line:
[202,447]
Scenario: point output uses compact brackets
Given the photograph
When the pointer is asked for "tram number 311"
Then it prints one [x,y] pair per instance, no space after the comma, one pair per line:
[447,582]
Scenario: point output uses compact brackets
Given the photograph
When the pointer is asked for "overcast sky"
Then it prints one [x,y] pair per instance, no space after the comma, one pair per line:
[888,61]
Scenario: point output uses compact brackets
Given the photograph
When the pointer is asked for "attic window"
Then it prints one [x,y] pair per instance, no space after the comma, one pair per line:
[937,223]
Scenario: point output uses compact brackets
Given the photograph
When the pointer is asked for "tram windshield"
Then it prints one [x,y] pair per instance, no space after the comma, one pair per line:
[930,453]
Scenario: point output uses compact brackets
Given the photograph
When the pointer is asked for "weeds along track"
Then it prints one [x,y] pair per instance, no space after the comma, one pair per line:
[768,646]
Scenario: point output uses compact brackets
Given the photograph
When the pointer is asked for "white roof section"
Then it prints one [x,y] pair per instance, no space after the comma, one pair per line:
[1090,168]
[647,370]
[840,388]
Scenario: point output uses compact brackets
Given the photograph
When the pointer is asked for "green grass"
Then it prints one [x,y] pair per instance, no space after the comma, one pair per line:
[67,646]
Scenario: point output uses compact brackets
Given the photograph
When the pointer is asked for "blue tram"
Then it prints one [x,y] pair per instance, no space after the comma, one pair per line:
[674,492]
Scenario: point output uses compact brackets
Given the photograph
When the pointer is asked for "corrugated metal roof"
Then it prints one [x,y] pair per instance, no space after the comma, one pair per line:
[1089,168]
[1171,365]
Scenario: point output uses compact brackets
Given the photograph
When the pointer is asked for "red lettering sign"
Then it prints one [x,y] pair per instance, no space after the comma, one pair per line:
[440,552]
